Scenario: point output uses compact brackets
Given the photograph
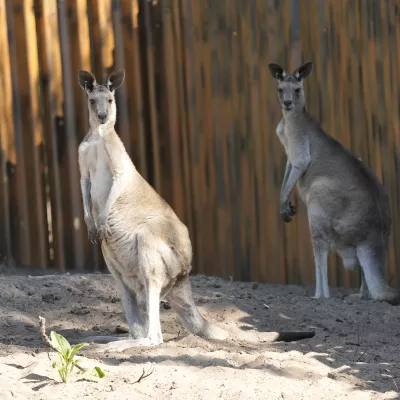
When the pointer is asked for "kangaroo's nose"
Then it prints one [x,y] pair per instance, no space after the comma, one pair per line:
[287,103]
[102,115]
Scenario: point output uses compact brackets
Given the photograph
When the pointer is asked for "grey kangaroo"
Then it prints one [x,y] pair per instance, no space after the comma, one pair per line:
[146,247]
[348,208]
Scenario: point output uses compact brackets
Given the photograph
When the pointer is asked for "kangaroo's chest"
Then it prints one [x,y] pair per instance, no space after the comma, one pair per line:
[296,145]
[293,139]
[96,158]
[97,161]
[286,133]
[280,132]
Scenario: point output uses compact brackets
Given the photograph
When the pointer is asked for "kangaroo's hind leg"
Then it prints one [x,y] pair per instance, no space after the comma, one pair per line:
[153,275]
[372,259]
[320,227]
[321,250]
[181,299]
[136,322]
[351,262]
[364,292]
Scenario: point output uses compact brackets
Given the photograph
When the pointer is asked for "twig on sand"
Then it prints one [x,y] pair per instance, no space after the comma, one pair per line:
[45,338]
[47,341]
[358,344]
[361,356]
[145,374]
[395,384]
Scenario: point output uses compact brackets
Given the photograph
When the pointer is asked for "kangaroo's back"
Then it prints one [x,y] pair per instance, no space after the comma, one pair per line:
[331,159]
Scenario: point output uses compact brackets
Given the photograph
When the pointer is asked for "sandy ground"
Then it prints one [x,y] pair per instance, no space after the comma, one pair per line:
[355,353]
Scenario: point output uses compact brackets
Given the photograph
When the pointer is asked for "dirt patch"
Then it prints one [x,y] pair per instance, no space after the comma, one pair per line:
[354,354]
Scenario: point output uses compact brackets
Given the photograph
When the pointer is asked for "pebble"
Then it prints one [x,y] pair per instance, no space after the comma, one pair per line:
[216,285]
[50,298]
[166,305]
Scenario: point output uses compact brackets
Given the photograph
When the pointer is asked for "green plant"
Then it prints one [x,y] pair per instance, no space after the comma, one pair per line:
[67,353]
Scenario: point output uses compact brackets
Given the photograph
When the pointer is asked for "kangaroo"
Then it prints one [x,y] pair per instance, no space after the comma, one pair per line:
[146,247]
[347,206]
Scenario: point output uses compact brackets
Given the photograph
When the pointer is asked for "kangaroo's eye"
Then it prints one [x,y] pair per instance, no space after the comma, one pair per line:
[297,90]
[92,101]
[110,101]
[280,90]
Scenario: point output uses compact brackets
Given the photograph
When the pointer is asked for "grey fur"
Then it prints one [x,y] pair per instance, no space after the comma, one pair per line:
[348,208]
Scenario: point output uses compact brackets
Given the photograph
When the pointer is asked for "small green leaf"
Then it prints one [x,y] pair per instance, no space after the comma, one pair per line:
[71,368]
[62,360]
[54,341]
[75,349]
[99,372]
[60,343]
[54,365]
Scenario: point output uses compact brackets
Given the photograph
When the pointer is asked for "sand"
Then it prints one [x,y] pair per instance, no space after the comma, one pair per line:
[355,353]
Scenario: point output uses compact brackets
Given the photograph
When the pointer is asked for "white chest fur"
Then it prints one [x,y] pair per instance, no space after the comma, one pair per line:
[281,133]
[97,164]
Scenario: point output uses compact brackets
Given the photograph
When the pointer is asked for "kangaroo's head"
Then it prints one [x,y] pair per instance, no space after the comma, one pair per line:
[290,86]
[101,99]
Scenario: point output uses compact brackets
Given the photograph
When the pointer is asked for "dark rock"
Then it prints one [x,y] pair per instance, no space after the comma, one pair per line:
[50,298]
[166,305]
[121,329]
[80,311]
[216,285]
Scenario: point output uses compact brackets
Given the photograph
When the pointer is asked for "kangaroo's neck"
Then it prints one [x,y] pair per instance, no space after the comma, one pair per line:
[291,116]
[102,130]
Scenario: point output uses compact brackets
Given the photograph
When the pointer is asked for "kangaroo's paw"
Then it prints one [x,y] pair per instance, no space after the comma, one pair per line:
[391,296]
[104,339]
[120,346]
[362,296]
[320,296]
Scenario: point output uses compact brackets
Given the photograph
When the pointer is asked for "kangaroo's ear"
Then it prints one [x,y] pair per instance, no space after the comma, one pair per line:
[304,71]
[277,71]
[86,80]
[116,79]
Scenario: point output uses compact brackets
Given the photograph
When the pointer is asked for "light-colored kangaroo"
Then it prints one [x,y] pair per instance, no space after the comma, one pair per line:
[348,208]
[146,247]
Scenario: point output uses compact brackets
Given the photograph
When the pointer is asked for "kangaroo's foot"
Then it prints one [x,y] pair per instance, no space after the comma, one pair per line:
[358,296]
[319,295]
[390,296]
[104,339]
[122,345]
